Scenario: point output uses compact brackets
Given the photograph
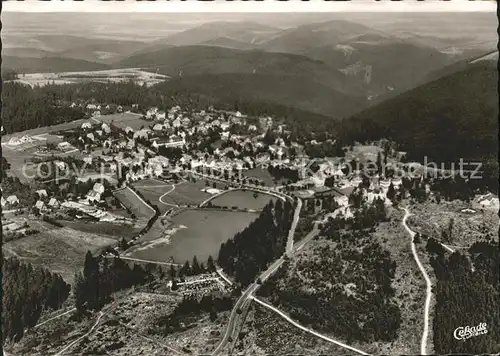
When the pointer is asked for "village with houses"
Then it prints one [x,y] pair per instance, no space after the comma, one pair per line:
[217,183]
[156,188]
[80,167]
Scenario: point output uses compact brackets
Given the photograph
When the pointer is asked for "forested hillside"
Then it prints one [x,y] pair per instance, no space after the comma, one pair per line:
[293,91]
[26,108]
[451,118]
[49,64]
[264,240]
[467,294]
[27,292]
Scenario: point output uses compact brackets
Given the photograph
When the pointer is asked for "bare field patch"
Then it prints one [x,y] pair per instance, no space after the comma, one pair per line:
[46,129]
[138,313]
[61,250]
[187,193]
[126,329]
[124,120]
[432,219]
[134,203]
[156,192]
[111,230]
[50,338]
[363,152]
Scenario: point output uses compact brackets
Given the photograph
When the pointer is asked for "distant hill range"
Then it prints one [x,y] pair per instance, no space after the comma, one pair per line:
[101,50]
[244,31]
[48,64]
[352,64]
[373,63]
[196,60]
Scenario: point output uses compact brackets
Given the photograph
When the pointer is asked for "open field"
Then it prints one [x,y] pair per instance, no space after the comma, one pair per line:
[112,75]
[193,232]
[363,153]
[46,129]
[261,174]
[153,190]
[61,250]
[187,193]
[243,199]
[432,219]
[20,157]
[112,230]
[124,120]
[134,203]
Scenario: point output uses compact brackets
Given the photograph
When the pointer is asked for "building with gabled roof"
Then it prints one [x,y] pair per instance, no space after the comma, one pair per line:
[40,205]
[53,203]
[12,200]
[42,193]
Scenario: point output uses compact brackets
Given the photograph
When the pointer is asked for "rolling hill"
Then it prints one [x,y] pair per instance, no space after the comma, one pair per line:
[228,43]
[27,52]
[59,43]
[197,60]
[73,47]
[244,31]
[302,39]
[48,64]
[453,117]
[392,65]
[460,65]
[283,90]
[377,62]
[104,51]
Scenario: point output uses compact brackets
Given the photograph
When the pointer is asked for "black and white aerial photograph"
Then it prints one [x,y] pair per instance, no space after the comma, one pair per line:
[249,178]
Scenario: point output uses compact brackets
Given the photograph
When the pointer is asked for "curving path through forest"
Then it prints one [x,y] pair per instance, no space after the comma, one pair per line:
[310,331]
[428,291]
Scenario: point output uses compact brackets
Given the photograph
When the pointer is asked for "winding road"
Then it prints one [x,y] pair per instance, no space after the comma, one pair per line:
[428,291]
[310,331]
[291,232]
[247,295]
[101,314]
[167,193]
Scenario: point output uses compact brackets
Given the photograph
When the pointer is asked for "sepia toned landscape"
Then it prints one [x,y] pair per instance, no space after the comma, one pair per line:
[249,183]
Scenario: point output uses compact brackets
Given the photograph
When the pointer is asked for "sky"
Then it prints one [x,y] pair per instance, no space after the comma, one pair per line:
[249,6]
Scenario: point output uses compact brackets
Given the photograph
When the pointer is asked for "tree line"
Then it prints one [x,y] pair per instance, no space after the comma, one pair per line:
[27,292]
[467,294]
[101,277]
[27,108]
[356,305]
[251,250]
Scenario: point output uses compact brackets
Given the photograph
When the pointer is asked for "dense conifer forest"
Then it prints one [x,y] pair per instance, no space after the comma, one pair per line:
[27,292]
[263,241]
